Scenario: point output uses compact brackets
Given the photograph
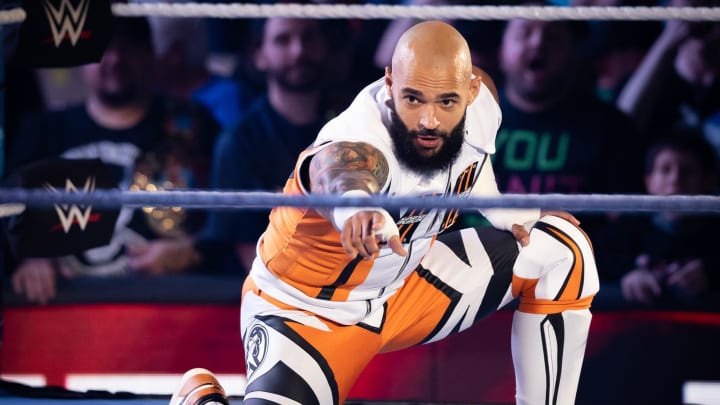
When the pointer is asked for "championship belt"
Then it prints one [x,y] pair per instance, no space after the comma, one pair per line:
[155,172]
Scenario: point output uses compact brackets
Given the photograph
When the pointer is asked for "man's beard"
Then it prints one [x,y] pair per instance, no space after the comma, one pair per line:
[118,98]
[547,91]
[407,153]
[310,83]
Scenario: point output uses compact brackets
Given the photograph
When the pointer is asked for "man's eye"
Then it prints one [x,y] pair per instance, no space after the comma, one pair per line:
[448,103]
[412,99]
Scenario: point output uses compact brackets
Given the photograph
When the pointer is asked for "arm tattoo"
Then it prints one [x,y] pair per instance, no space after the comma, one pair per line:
[347,166]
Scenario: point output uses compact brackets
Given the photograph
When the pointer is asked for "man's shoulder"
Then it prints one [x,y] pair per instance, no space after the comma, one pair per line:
[259,111]
[55,122]
[73,111]
[257,121]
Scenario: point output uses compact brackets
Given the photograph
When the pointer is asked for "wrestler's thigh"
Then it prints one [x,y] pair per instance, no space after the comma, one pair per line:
[465,276]
[292,355]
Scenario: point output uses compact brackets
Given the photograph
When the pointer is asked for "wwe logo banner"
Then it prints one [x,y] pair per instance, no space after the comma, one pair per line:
[62,33]
[74,214]
[65,228]
[66,21]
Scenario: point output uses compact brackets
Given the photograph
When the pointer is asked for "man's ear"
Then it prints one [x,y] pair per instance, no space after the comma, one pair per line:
[388,81]
[480,76]
[475,80]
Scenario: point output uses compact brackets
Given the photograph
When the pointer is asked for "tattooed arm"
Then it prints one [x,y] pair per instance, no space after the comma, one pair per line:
[346,166]
[358,167]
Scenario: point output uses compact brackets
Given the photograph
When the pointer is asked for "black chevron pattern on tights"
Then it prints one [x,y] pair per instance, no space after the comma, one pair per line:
[283,381]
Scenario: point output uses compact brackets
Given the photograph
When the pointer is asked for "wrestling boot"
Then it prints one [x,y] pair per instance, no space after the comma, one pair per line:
[199,387]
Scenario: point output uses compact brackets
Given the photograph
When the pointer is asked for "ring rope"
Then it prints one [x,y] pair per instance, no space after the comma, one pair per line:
[379,11]
[243,200]
[261,199]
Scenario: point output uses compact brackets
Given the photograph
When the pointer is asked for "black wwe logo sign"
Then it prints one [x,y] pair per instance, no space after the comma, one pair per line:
[66,20]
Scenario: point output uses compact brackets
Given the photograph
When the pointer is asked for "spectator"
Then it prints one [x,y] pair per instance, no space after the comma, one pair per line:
[677,83]
[667,258]
[226,42]
[19,85]
[615,48]
[181,50]
[148,141]
[556,136]
[260,152]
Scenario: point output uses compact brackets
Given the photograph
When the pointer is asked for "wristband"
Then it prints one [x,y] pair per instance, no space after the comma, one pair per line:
[341,214]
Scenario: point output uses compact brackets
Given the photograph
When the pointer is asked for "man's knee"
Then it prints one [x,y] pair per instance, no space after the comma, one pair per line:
[557,270]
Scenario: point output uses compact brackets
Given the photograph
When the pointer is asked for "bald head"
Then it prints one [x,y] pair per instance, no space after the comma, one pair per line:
[434,47]
[430,85]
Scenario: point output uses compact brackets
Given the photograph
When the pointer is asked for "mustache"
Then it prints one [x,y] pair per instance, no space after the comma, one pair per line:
[303,63]
[428,132]
[414,132]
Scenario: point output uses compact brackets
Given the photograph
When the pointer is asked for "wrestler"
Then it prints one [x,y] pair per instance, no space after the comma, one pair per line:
[330,282]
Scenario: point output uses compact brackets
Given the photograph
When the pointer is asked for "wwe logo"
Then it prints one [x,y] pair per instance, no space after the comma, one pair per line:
[70,214]
[66,20]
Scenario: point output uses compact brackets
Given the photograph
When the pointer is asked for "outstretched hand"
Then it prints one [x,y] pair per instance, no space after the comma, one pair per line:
[363,233]
[523,236]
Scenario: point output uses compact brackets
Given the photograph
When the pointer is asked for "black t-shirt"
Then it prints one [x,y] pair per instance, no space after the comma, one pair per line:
[580,146]
[170,148]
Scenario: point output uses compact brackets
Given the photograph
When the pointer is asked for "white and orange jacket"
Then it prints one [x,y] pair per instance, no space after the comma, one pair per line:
[300,260]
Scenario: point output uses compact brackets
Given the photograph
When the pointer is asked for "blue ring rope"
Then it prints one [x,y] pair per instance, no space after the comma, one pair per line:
[242,200]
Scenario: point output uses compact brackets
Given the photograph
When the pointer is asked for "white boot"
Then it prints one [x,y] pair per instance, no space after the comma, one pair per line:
[548,352]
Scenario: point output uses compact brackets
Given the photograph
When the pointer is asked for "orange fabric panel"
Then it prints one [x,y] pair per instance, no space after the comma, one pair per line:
[413,313]
[525,288]
[347,353]
[292,233]
[574,285]
[533,306]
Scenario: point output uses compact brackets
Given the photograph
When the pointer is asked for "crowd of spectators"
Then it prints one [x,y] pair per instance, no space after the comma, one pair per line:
[229,103]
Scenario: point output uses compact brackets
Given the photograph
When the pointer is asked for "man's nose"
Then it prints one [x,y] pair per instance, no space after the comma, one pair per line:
[428,118]
[297,47]
[111,56]
[537,38]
